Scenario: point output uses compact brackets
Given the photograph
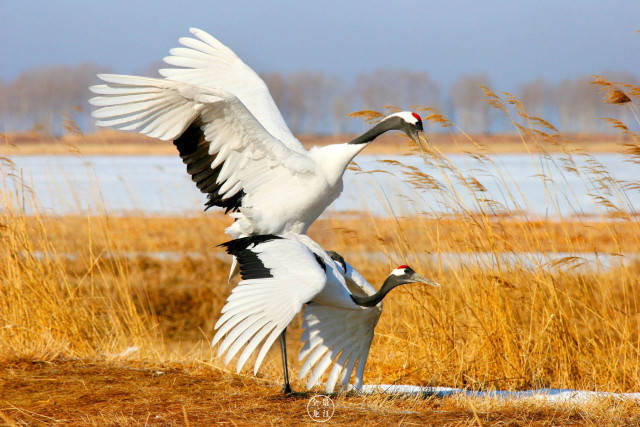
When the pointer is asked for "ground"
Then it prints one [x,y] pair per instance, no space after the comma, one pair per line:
[125,393]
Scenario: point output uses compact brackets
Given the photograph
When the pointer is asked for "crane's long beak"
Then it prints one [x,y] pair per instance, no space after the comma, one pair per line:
[423,138]
[421,279]
[420,138]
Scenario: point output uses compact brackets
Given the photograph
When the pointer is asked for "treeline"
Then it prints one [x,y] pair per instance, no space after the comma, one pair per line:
[46,99]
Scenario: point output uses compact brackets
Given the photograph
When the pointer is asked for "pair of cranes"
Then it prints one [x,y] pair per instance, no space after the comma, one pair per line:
[240,153]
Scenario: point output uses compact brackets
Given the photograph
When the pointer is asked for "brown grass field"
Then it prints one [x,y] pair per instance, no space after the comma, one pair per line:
[66,323]
[97,330]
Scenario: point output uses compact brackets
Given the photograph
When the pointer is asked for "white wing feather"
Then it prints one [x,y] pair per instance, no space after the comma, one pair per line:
[258,310]
[337,336]
[159,108]
[207,63]
[162,108]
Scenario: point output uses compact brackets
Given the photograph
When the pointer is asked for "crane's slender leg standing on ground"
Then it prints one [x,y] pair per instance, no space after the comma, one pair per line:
[283,347]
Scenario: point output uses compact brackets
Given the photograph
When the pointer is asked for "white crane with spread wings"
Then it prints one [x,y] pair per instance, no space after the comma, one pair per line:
[281,275]
[237,148]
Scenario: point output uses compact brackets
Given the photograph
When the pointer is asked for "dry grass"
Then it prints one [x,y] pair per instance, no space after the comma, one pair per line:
[87,315]
[489,326]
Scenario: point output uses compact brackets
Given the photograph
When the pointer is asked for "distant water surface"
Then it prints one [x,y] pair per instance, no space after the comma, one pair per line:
[160,184]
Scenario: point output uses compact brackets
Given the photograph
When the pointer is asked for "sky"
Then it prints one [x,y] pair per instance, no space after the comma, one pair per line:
[511,41]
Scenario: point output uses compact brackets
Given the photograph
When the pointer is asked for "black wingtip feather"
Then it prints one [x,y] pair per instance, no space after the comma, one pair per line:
[232,247]
[251,267]
[187,143]
[194,151]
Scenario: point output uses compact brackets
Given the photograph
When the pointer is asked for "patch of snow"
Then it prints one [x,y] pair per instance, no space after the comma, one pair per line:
[546,394]
[128,351]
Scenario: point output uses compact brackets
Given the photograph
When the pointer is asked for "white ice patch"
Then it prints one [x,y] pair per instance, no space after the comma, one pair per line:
[128,351]
[547,394]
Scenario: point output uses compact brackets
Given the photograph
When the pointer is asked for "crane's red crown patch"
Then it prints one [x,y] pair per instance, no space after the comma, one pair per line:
[416,116]
[402,267]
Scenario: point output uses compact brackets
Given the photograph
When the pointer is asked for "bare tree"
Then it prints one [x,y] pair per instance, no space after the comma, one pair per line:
[4,108]
[536,97]
[276,84]
[468,100]
[309,95]
[398,87]
[401,88]
[343,104]
[579,105]
[620,112]
[377,89]
[314,102]
[38,98]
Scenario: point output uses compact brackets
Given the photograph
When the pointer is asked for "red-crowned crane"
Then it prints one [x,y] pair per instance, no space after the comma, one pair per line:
[237,148]
[281,274]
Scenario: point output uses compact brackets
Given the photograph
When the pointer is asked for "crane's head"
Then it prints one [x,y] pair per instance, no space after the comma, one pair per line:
[399,276]
[404,274]
[410,123]
[406,121]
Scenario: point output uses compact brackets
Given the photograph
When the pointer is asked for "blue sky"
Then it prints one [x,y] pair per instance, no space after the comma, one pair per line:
[512,41]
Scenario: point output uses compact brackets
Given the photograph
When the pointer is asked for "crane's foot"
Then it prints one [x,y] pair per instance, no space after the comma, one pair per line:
[286,389]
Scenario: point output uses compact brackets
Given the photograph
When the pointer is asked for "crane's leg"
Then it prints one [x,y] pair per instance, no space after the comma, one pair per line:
[283,347]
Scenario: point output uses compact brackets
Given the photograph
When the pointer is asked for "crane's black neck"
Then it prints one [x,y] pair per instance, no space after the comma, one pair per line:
[372,300]
[382,127]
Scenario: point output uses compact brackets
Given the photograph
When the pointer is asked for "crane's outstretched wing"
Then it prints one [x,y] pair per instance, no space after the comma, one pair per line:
[228,153]
[337,336]
[208,63]
[279,275]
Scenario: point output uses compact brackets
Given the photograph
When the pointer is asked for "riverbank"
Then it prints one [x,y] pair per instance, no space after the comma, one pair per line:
[109,142]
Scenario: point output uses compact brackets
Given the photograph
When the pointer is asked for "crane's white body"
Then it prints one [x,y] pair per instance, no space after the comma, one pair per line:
[284,186]
[293,201]
[299,273]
